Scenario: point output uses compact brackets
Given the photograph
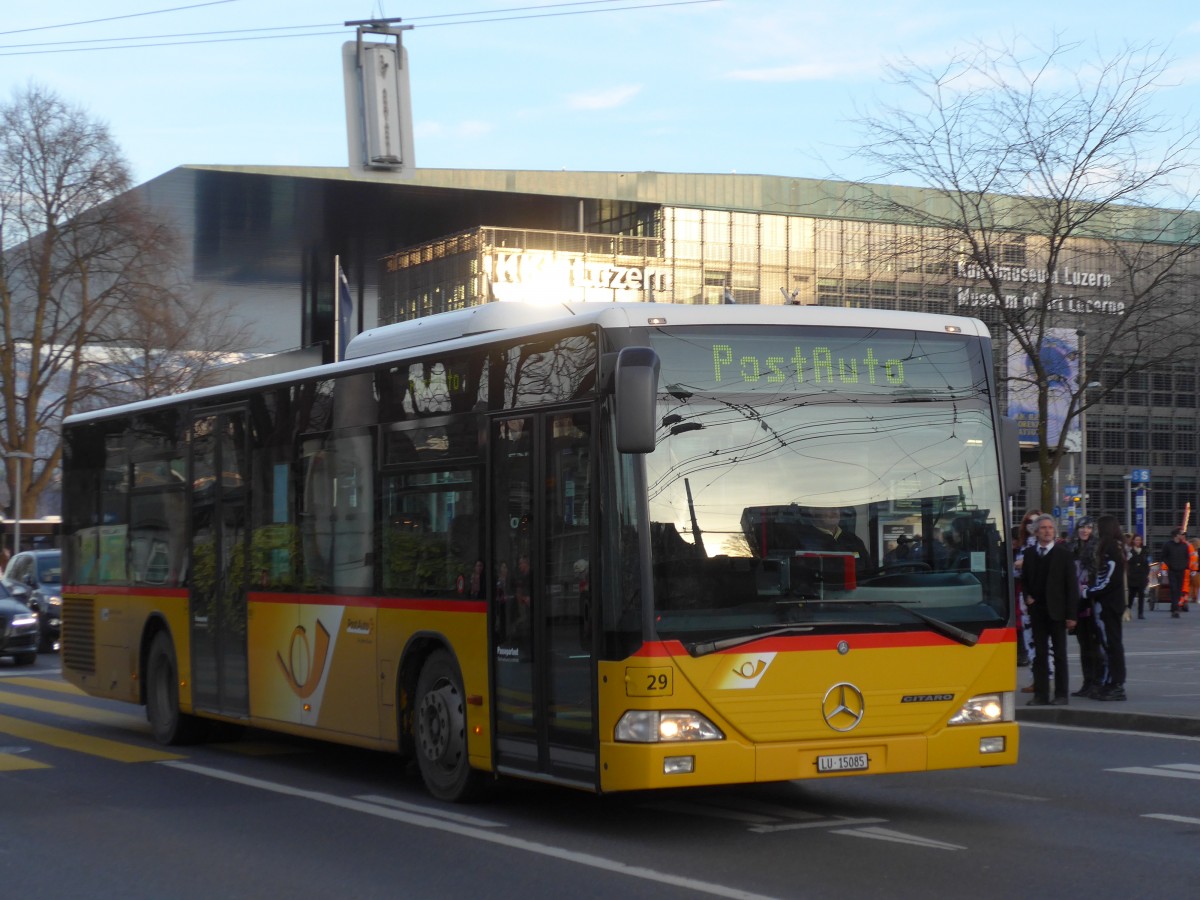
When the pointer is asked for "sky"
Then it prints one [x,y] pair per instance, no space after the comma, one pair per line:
[769,87]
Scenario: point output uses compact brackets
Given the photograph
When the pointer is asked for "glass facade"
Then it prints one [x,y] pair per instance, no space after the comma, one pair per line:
[682,255]
[675,254]
[265,240]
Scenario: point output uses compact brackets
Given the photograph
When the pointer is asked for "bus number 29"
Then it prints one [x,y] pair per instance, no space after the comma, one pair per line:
[655,682]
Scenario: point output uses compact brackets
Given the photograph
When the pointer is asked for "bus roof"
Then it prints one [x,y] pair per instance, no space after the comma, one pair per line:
[502,315]
[505,319]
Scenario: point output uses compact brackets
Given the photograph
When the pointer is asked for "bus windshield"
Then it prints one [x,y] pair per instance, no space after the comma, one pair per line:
[835,478]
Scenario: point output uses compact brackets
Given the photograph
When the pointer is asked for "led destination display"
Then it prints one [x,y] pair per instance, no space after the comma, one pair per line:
[858,360]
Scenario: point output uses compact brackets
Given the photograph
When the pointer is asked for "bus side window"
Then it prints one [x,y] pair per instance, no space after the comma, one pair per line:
[430,538]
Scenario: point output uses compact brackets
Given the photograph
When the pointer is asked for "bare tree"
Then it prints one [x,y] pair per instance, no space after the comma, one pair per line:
[85,270]
[167,341]
[1040,179]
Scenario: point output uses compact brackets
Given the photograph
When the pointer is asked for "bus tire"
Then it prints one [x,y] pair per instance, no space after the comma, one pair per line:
[168,724]
[24,659]
[440,731]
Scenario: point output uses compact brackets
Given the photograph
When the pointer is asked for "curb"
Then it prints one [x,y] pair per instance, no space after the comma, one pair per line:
[1116,721]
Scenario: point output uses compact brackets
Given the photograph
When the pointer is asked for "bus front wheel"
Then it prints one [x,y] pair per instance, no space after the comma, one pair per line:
[440,730]
[168,724]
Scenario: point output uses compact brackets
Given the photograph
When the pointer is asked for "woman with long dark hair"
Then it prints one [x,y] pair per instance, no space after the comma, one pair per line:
[1107,592]
[1087,625]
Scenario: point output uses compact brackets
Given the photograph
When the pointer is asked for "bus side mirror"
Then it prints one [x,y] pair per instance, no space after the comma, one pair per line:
[1010,454]
[636,382]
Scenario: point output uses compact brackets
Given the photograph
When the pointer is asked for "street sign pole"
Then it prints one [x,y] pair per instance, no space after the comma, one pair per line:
[1140,477]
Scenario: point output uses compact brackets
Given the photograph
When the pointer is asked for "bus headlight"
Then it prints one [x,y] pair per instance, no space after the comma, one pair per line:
[984,709]
[644,726]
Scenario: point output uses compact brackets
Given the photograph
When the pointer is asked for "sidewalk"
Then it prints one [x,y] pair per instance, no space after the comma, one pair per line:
[1162,656]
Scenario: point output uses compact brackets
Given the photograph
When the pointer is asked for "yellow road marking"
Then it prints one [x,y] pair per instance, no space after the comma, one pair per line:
[45,684]
[82,743]
[15,762]
[127,721]
[134,722]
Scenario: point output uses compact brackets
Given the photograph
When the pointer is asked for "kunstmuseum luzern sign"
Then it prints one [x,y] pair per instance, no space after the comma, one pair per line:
[1033,275]
[1030,275]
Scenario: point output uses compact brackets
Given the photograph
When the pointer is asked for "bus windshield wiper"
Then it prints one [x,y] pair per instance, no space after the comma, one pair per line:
[703,648]
[941,627]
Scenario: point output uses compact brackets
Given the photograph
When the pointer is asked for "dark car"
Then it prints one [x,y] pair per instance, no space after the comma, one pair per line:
[35,576]
[18,629]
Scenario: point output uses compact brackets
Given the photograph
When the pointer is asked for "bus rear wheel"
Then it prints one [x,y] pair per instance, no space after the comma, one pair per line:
[440,731]
[168,724]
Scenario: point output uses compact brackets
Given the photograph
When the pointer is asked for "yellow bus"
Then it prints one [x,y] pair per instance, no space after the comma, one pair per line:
[609,546]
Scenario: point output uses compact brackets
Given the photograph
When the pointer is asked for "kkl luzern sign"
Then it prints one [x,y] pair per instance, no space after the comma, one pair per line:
[531,268]
[1022,275]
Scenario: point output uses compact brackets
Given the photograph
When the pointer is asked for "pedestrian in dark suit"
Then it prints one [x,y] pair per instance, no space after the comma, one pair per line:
[1138,574]
[1051,586]
[1176,557]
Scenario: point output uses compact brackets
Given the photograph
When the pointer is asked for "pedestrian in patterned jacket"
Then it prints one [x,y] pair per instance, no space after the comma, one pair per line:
[1107,593]
[1087,626]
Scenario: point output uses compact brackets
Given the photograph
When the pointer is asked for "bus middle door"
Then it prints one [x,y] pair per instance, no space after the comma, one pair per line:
[217,571]
[542,552]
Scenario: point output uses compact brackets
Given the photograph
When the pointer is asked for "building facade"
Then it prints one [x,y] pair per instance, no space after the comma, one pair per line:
[264,240]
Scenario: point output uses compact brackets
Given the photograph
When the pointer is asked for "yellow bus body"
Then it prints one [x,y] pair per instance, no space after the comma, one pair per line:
[769,705]
[324,668]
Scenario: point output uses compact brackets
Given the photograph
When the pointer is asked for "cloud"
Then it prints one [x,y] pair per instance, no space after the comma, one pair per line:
[606,99]
[1184,71]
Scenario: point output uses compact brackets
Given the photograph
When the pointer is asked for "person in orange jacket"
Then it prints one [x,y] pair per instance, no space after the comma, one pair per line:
[1179,573]
[1191,581]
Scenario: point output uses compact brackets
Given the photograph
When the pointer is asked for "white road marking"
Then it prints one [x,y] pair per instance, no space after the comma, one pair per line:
[1186,820]
[1177,771]
[768,818]
[474,821]
[898,837]
[479,834]
[712,812]
[1007,795]
[831,823]
[776,810]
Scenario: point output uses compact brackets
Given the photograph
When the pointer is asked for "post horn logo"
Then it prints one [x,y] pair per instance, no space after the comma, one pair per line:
[305,665]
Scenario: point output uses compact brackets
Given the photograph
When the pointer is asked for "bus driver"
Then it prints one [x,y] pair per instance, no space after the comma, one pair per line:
[826,533]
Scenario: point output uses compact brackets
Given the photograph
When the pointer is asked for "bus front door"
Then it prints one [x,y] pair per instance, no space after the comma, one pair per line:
[542,552]
[217,590]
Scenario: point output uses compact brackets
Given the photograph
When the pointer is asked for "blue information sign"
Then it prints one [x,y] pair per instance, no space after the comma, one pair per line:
[1139,476]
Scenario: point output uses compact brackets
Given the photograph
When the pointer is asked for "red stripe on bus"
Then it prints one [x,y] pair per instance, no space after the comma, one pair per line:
[411,603]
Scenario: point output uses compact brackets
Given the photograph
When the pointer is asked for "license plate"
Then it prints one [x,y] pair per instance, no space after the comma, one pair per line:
[843,762]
